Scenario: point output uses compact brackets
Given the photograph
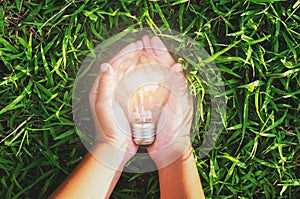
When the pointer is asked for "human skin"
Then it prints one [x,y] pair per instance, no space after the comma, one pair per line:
[99,171]
[172,150]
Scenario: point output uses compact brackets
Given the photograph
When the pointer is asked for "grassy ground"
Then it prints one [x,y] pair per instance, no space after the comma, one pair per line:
[255,44]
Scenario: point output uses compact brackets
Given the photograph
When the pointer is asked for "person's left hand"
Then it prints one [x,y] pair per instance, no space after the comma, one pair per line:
[111,124]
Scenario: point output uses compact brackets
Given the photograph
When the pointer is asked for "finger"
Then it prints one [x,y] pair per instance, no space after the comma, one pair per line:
[128,50]
[106,85]
[179,83]
[147,44]
[139,45]
[94,92]
[177,67]
[178,76]
[128,63]
[161,51]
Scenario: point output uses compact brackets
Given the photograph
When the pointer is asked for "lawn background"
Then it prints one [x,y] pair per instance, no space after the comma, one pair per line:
[255,45]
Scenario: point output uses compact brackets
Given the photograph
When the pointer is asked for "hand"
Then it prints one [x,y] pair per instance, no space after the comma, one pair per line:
[173,130]
[111,124]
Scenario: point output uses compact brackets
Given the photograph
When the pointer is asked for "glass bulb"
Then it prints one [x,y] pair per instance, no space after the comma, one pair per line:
[142,93]
[144,110]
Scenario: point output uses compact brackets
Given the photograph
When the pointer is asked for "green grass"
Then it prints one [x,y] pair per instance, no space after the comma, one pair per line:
[254,43]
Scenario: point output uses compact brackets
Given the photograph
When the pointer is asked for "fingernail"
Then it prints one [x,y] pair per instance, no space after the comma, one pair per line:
[177,67]
[104,67]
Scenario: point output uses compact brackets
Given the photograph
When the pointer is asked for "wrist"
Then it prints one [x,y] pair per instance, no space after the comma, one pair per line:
[184,159]
[167,155]
[110,155]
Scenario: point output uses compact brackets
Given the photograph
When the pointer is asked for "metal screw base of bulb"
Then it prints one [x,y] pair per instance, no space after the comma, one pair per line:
[143,134]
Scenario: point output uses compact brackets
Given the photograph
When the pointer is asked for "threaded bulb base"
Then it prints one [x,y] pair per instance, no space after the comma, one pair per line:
[143,134]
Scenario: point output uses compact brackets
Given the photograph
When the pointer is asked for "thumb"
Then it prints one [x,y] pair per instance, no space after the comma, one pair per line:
[179,82]
[106,85]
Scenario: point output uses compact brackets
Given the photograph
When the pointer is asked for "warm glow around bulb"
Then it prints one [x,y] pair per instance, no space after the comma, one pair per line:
[143,92]
[143,88]
[145,103]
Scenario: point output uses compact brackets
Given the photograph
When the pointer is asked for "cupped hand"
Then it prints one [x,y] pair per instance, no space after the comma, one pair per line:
[173,130]
[111,124]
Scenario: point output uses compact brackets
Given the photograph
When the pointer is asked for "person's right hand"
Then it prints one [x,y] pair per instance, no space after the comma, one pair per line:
[173,130]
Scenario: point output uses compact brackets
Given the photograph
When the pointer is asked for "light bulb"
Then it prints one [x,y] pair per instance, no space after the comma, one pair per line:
[142,94]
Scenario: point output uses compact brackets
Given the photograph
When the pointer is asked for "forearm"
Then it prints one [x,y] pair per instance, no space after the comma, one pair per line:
[91,178]
[181,179]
